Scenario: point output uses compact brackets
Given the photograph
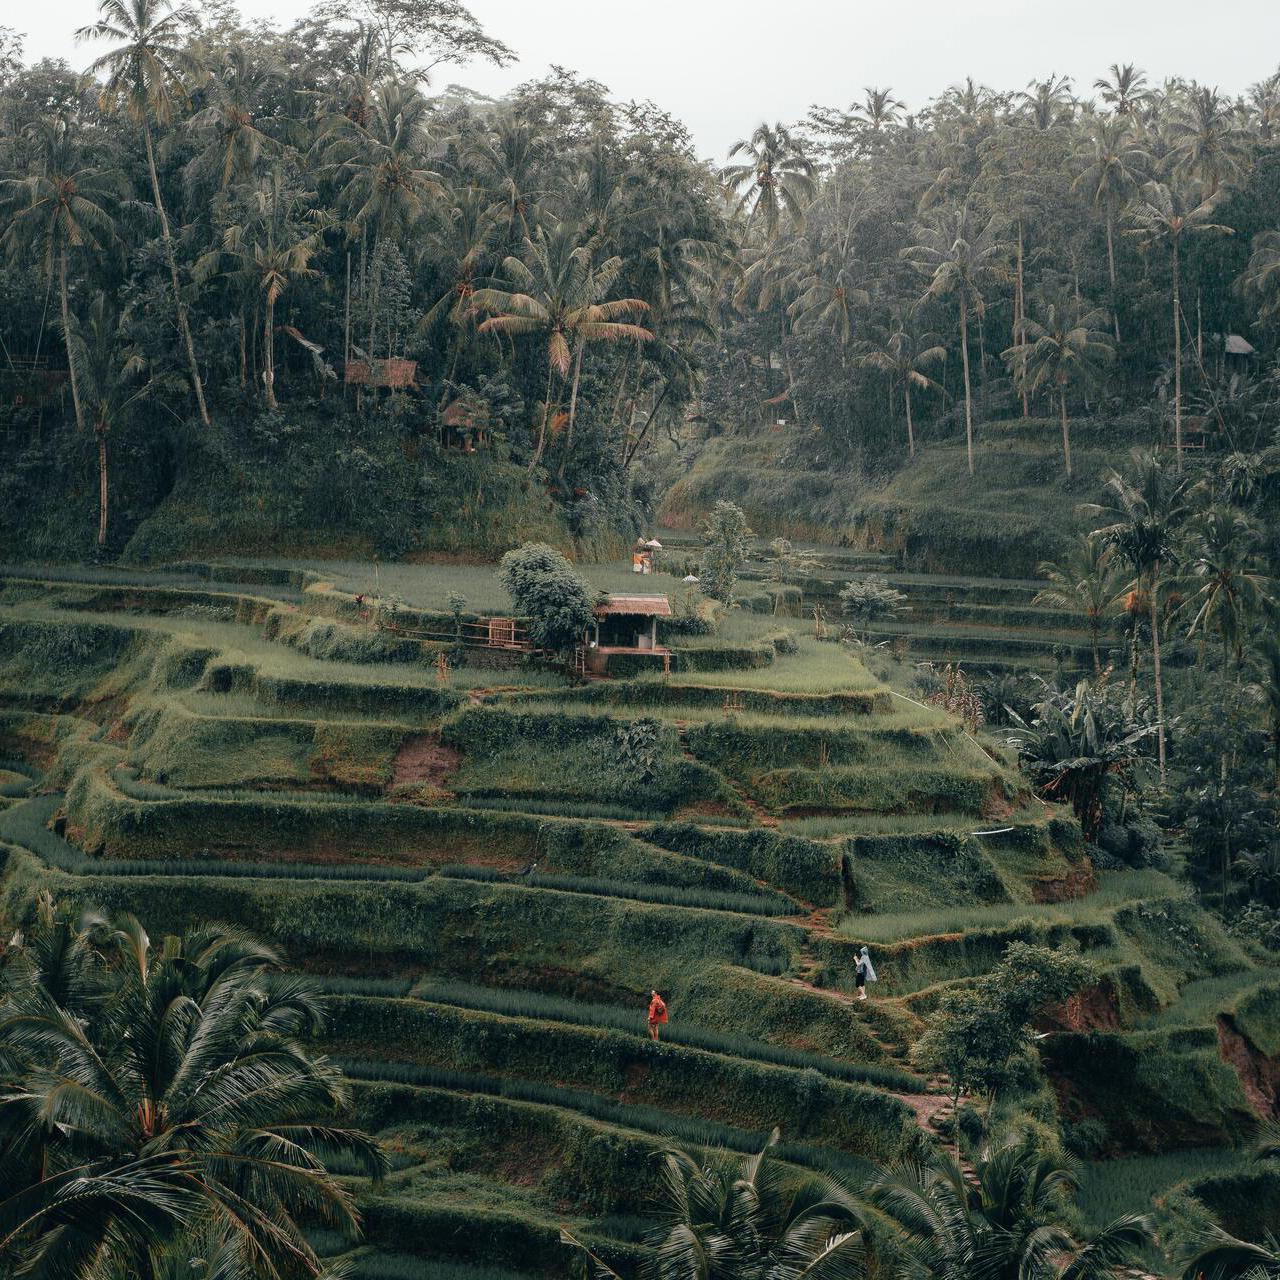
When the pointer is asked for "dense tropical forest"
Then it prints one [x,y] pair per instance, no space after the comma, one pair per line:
[357,806]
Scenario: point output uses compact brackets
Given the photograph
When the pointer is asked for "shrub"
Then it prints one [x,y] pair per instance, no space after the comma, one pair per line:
[725,550]
[545,589]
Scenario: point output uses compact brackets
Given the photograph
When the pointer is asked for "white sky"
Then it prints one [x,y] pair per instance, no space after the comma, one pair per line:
[723,65]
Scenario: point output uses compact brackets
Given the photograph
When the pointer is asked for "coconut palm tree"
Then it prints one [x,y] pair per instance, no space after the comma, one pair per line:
[1068,347]
[1009,1223]
[775,178]
[1261,277]
[1087,583]
[1269,688]
[1124,88]
[903,354]
[379,163]
[1048,104]
[879,110]
[231,126]
[558,295]
[961,253]
[160,1097]
[115,381]
[1112,173]
[1218,1255]
[1223,576]
[1144,516]
[509,159]
[1209,145]
[146,76]
[1160,219]
[717,1221]
[62,207]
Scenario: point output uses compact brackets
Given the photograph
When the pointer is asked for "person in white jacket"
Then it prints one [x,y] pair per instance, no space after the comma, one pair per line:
[866,972]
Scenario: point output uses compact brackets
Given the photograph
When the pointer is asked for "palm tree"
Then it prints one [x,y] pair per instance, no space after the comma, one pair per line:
[1160,219]
[558,295]
[230,127]
[115,381]
[380,166]
[961,254]
[774,179]
[509,159]
[160,1097]
[1218,1255]
[1111,177]
[1087,583]
[1008,1224]
[1226,584]
[1047,104]
[1269,660]
[1261,277]
[1124,89]
[878,110]
[269,252]
[145,78]
[1146,511]
[61,208]
[904,354]
[1209,145]
[717,1222]
[1069,348]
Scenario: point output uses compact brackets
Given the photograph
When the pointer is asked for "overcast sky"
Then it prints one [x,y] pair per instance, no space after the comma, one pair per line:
[723,65]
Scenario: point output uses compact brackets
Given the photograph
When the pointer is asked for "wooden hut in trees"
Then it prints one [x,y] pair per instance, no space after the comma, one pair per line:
[465,425]
[627,624]
[396,375]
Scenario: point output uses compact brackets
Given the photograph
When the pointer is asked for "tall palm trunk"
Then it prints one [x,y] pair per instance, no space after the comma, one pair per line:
[100,430]
[1019,314]
[573,406]
[244,354]
[1155,662]
[968,394]
[67,337]
[1177,354]
[1111,268]
[1066,433]
[268,353]
[911,435]
[184,325]
[546,417]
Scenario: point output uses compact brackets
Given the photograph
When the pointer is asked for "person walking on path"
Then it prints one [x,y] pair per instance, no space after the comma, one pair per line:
[657,1014]
[866,972]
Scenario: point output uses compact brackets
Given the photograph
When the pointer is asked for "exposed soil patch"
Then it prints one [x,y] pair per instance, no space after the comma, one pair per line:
[1259,1074]
[424,758]
[1076,884]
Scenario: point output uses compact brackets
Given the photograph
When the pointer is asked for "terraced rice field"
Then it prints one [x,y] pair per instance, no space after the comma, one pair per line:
[488,882]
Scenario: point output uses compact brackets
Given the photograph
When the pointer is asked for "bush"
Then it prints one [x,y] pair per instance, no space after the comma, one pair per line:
[545,589]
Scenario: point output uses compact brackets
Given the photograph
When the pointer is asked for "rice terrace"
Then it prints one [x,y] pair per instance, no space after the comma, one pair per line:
[569,710]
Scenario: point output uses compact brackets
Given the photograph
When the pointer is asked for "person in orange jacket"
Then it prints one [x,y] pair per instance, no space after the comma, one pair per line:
[657,1014]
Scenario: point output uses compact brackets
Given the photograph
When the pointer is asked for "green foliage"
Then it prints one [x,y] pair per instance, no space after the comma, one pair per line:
[978,1031]
[126,1045]
[545,590]
[725,535]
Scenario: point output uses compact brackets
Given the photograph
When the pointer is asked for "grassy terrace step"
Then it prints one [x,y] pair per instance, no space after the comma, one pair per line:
[456,928]
[402,1079]
[679,693]
[533,1004]
[633,1069]
[225,659]
[674,878]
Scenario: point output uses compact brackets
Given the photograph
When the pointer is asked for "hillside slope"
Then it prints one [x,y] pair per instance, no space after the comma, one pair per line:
[488,880]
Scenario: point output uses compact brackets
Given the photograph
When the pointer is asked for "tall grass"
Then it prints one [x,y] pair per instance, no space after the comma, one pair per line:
[1109,1188]
[1200,1002]
[533,1004]
[1115,889]
[759,904]
[670,1125]
[404,1266]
